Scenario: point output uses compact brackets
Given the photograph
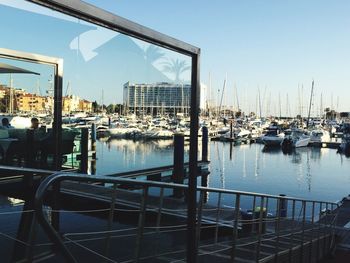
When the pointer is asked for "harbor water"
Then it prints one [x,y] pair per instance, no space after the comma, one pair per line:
[311,173]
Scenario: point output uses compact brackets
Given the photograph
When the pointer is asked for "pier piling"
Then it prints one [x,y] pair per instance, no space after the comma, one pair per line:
[84,148]
[205,144]
[93,140]
[178,172]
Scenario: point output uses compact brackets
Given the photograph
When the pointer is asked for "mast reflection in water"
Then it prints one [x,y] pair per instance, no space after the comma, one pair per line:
[306,172]
[313,173]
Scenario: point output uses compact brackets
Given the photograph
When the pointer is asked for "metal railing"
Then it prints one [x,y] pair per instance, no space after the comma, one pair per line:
[229,223]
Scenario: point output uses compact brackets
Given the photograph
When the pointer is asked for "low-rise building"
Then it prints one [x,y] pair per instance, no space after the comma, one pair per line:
[26,102]
[85,106]
[70,104]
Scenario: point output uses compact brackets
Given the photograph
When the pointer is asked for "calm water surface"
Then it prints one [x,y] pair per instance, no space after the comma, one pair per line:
[311,173]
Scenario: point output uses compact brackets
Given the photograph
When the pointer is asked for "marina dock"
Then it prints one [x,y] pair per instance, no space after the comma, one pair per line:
[282,236]
[110,136]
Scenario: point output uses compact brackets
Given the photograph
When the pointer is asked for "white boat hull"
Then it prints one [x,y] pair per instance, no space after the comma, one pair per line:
[302,142]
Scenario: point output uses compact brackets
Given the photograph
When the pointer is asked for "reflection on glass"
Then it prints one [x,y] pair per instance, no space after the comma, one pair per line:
[114,86]
[26,106]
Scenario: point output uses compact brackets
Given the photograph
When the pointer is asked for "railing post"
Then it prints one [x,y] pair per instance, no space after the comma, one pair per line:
[141,223]
[235,227]
[159,217]
[178,172]
[277,228]
[21,252]
[302,233]
[204,143]
[217,218]
[261,217]
[56,206]
[334,218]
[110,219]
[318,232]
[312,230]
[199,218]
[291,239]
[32,237]
[253,216]
[284,206]
[325,228]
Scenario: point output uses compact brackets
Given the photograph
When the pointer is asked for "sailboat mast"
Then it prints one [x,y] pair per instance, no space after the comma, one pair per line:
[102,98]
[222,95]
[301,99]
[321,106]
[259,102]
[237,97]
[308,116]
[280,106]
[287,106]
[209,96]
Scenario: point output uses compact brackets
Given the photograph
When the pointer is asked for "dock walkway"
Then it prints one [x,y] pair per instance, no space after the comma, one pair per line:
[343,224]
[294,242]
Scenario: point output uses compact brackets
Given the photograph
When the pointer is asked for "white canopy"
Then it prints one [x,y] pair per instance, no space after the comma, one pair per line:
[9,69]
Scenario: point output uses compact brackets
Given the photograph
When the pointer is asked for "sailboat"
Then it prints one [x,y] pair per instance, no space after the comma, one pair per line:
[299,137]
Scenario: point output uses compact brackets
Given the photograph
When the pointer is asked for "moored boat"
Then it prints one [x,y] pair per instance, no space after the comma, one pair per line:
[344,147]
[319,136]
[273,137]
[298,138]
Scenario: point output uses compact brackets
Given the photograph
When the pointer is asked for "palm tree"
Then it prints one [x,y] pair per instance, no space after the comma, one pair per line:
[152,53]
[176,67]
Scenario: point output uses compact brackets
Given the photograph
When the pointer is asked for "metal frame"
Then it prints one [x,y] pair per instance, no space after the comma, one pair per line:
[57,63]
[95,15]
[327,222]
[98,16]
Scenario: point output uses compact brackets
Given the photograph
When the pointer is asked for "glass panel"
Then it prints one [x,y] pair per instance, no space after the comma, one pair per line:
[26,106]
[122,102]
[135,95]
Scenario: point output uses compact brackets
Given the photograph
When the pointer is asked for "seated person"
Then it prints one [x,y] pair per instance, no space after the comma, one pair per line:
[6,124]
[34,123]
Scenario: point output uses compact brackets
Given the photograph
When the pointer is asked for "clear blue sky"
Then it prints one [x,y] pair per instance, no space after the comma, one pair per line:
[270,44]
[274,44]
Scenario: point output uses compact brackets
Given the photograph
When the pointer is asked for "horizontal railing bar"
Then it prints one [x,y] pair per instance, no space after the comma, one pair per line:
[111,179]
[106,179]
[30,171]
[149,170]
